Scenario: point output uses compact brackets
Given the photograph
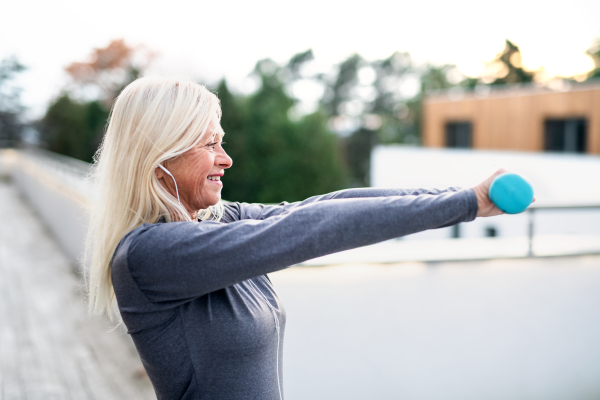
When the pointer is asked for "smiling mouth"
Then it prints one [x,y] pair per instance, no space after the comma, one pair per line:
[214,178]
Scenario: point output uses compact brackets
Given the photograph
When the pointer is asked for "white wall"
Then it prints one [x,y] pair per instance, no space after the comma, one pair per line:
[556,179]
[54,193]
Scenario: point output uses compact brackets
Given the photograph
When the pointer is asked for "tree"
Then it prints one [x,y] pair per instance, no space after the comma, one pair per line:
[74,128]
[391,105]
[294,66]
[276,158]
[344,107]
[339,91]
[367,104]
[508,68]
[10,102]
[390,73]
[74,123]
[594,53]
[240,178]
[108,70]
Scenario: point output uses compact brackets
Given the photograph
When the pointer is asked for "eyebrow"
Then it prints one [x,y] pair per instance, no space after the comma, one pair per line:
[214,136]
[220,134]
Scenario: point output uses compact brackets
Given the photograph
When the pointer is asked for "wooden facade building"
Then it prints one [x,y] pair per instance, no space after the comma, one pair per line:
[527,118]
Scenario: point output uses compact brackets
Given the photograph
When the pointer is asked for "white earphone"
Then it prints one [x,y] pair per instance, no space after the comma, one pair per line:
[171,175]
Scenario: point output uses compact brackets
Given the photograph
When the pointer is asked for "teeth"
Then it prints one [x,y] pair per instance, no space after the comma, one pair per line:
[214,178]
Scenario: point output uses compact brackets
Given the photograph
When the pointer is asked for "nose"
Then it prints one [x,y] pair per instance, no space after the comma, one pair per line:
[223,160]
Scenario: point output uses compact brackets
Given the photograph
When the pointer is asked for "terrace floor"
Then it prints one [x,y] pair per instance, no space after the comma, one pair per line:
[49,347]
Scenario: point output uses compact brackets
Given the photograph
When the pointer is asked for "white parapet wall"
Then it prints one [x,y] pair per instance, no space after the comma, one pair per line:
[54,186]
[557,179]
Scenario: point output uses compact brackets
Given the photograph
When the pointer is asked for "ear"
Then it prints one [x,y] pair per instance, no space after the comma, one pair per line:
[159,173]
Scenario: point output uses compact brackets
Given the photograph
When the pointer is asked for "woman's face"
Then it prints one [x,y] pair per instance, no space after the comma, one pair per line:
[198,171]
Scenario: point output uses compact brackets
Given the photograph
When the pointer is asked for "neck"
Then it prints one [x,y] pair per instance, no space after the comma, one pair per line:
[194,214]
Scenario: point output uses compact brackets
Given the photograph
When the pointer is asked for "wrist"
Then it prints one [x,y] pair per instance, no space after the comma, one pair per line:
[482,199]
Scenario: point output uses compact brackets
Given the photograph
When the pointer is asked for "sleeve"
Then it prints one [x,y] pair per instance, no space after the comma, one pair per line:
[183,260]
[262,211]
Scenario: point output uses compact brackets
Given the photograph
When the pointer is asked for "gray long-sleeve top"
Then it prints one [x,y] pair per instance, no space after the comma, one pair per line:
[194,295]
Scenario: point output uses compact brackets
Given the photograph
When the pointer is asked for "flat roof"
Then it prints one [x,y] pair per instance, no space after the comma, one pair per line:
[456,94]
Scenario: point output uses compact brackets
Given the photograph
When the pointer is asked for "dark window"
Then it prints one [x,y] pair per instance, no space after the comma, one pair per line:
[565,135]
[458,134]
[490,231]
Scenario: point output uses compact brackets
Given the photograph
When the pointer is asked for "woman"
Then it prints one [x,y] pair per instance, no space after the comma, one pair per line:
[189,272]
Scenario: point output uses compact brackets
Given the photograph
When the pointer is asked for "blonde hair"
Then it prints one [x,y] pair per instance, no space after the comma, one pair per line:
[152,120]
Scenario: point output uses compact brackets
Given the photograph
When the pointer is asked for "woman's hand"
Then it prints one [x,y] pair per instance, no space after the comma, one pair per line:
[485,207]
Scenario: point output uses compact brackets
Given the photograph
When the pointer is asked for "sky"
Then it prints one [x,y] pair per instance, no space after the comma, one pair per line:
[210,40]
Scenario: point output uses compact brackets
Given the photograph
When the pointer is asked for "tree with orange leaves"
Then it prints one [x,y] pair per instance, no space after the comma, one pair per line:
[74,123]
[108,70]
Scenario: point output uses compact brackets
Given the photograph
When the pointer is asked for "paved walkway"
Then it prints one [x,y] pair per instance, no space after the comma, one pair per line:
[49,347]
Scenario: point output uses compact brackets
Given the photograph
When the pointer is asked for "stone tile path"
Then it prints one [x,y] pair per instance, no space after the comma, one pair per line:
[49,347]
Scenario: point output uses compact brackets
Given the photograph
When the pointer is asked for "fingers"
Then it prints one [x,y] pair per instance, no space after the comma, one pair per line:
[499,171]
[485,206]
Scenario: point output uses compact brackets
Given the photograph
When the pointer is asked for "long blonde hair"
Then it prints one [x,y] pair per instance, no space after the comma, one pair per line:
[152,120]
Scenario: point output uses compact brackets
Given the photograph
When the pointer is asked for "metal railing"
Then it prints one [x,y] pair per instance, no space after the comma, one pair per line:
[533,209]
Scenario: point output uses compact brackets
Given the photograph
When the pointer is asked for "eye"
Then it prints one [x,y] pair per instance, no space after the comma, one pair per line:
[213,144]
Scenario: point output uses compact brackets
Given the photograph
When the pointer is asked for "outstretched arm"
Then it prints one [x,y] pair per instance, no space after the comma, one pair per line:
[239,211]
[485,206]
[182,260]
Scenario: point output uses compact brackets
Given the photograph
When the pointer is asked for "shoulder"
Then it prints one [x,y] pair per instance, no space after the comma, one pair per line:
[150,240]
[156,245]
[165,235]
[135,239]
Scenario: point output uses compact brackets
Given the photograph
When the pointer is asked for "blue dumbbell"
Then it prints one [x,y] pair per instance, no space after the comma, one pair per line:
[511,193]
